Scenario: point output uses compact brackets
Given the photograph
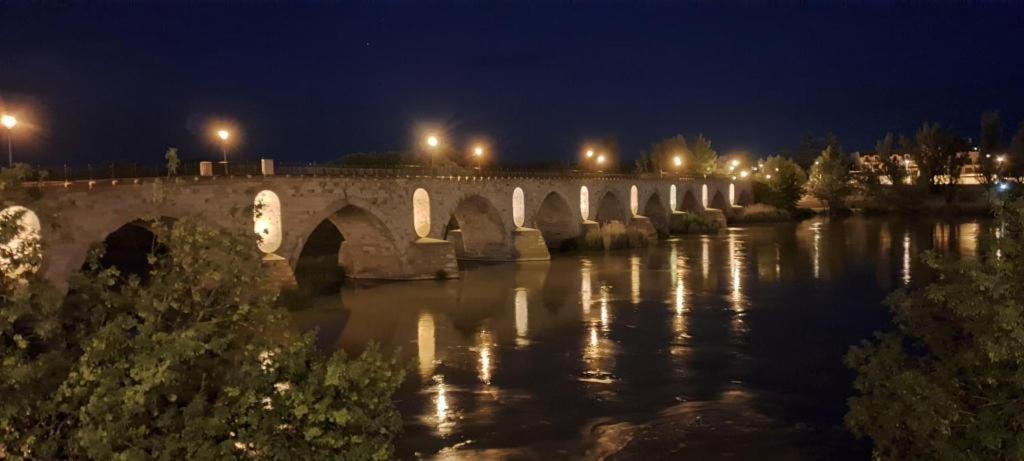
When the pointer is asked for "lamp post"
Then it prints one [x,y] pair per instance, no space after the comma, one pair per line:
[9,122]
[478,154]
[224,135]
[432,142]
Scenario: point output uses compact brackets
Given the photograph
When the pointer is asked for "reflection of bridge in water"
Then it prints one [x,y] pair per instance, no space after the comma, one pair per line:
[399,228]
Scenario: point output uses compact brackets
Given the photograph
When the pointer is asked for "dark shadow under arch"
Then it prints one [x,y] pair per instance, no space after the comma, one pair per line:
[556,221]
[351,242]
[610,208]
[690,202]
[718,201]
[655,211]
[744,199]
[128,248]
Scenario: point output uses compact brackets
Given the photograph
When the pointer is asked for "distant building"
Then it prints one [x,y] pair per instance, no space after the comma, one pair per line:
[970,172]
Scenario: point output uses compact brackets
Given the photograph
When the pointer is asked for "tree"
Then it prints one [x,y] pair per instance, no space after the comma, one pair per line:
[946,384]
[662,154]
[783,182]
[703,157]
[1015,164]
[940,155]
[829,180]
[810,147]
[172,161]
[190,364]
[990,145]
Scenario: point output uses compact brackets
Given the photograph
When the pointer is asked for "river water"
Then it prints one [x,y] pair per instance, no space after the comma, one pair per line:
[705,347]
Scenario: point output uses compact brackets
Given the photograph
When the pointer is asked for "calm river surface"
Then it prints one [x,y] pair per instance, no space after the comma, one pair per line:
[704,347]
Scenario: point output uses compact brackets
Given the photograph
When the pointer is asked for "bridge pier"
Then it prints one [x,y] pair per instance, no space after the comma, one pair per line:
[429,258]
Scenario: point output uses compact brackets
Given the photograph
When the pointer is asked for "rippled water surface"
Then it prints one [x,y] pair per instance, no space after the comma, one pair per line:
[704,347]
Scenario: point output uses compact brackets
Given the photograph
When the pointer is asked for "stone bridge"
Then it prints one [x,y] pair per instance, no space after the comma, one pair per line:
[401,228]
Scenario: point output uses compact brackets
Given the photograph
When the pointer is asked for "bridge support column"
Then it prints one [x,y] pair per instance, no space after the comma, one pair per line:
[279,272]
[641,232]
[431,259]
[590,236]
[529,245]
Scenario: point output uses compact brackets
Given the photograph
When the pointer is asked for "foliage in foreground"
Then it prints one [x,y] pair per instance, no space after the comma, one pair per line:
[192,364]
[949,382]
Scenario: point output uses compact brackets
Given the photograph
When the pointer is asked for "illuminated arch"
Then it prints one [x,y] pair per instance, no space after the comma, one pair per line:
[24,244]
[584,203]
[267,221]
[672,197]
[421,212]
[704,195]
[634,200]
[518,207]
[732,194]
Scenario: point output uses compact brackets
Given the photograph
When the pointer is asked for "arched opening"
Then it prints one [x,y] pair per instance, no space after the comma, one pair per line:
[732,194]
[704,197]
[128,248]
[690,202]
[584,203]
[672,204]
[634,200]
[555,221]
[21,251]
[744,199]
[718,201]
[421,212]
[351,242]
[610,209]
[482,230]
[267,221]
[656,212]
[518,207]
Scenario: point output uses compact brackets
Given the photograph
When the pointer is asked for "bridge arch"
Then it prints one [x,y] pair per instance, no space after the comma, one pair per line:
[128,247]
[656,212]
[23,248]
[610,208]
[744,198]
[690,202]
[350,236]
[555,220]
[482,231]
[718,201]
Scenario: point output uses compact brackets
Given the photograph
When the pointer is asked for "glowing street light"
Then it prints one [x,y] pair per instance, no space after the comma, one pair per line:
[590,153]
[744,173]
[224,135]
[9,122]
[735,163]
[677,161]
[1000,159]
[478,154]
[600,159]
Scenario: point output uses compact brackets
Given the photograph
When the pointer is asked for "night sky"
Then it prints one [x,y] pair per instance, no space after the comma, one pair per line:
[312,82]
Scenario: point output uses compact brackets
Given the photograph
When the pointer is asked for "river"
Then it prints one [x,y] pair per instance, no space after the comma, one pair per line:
[727,346]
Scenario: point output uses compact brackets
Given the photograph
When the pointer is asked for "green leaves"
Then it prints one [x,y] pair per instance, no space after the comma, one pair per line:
[190,364]
[948,384]
[829,180]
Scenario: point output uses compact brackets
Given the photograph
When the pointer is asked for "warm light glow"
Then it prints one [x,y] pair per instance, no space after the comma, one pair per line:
[584,203]
[522,314]
[478,151]
[590,153]
[1000,159]
[735,163]
[432,141]
[600,159]
[768,176]
[421,212]
[223,134]
[678,161]
[634,200]
[8,121]
[744,173]
[518,207]
[267,221]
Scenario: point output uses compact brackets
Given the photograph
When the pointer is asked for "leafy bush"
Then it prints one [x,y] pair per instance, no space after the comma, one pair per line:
[191,364]
[948,383]
[780,183]
[760,212]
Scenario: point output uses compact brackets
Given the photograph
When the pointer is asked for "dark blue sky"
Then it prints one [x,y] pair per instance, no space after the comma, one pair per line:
[312,82]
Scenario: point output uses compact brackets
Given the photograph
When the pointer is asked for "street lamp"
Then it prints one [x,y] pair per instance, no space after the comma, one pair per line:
[9,122]
[224,135]
[590,153]
[432,143]
[478,153]
[600,160]
[677,161]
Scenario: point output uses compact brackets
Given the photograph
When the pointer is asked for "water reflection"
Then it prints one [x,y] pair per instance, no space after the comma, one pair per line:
[744,311]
